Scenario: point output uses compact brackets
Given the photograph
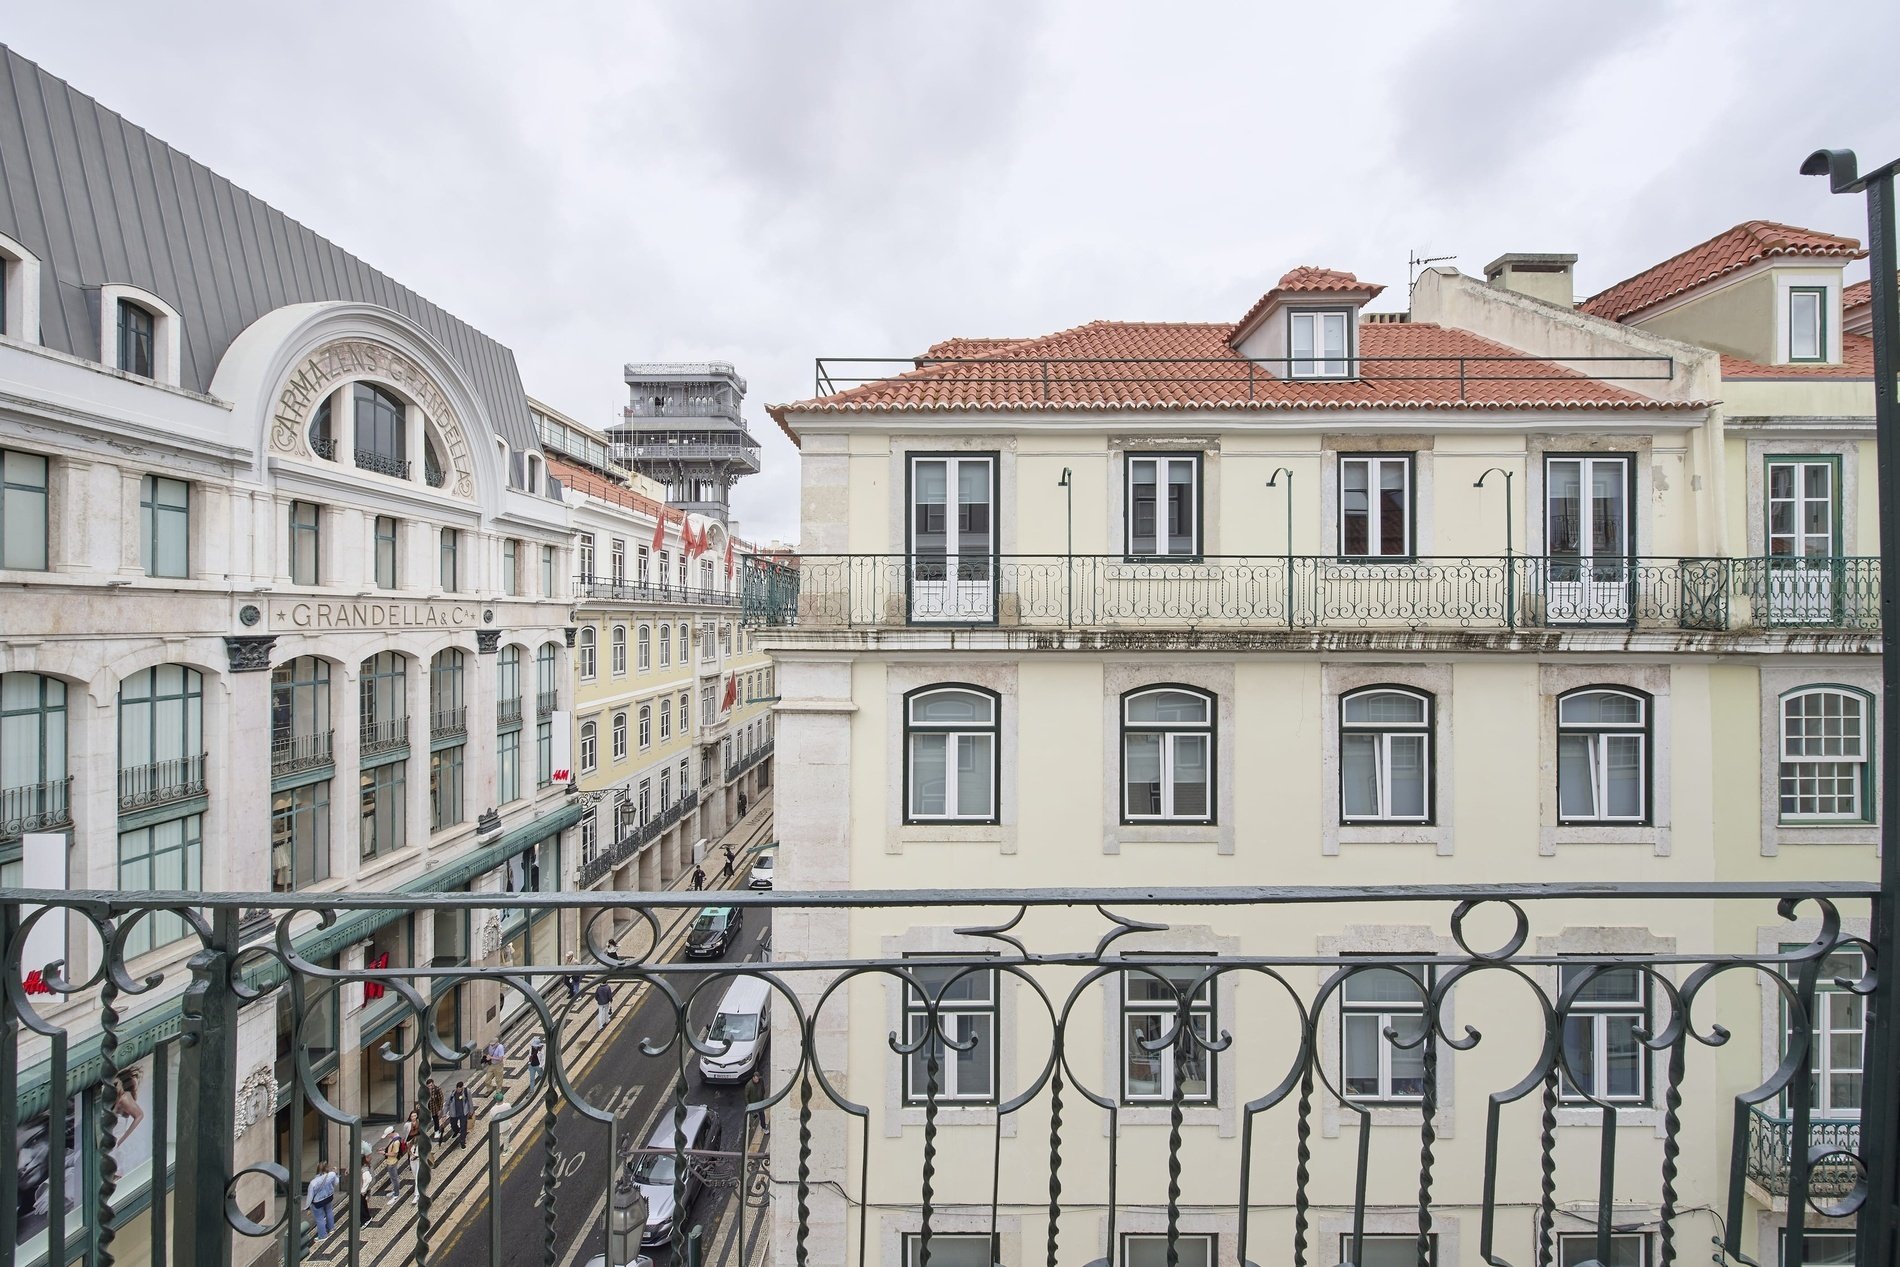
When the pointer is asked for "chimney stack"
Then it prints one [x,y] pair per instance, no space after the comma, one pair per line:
[1545,277]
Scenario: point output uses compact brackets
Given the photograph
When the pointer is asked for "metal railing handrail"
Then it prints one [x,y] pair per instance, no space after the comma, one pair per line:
[596,588]
[41,806]
[384,735]
[545,701]
[161,782]
[382,464]
[304,751]
[444,722]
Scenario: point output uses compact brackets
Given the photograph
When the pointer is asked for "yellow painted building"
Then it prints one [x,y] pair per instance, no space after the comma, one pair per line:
[1504,589]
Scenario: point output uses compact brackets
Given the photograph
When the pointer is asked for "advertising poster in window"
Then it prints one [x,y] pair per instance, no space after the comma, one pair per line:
[34,1197]
[133,1132]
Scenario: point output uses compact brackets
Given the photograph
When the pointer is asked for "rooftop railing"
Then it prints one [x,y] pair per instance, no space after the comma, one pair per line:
[1069,1065]
[1308,592]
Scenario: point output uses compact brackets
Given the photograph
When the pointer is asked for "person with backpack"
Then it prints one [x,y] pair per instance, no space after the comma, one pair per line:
[461,1108]
[603,1006]
[321,1197]
[727,873]
[392,1151]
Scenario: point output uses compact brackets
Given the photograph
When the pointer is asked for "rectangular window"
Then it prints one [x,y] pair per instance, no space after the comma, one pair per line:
[952,529]
[1319,344]
[640,556]
[544,753]
[451,560]
[22,511]
[685,774]
[1839,1050]
[1371,1002]
[586,562]
[547,571]
[164,526]
[510,577]
[661,576]
[1150,1011]
[1389,1249]
[1818,1249]
[666,787]
[1600,1034]
[166,856]
[967,1014]
[666,722]
[1807,323]
[136,342]
[384,820]
[445,787]
[508,767]
[1164,507]
[953,1249]
[682,570]
[646,800]
[1627,1249]
[385,552]
[1375,507]
[306,528]
[300,837]
[1589,540]
[1191,1249]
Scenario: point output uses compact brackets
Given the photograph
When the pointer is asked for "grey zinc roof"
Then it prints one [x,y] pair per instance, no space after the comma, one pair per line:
[103,202]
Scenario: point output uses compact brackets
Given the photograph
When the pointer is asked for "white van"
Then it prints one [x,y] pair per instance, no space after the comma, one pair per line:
[764,864]
[738,1032]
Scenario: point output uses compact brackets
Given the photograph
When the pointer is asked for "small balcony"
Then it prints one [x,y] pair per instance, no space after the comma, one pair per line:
[388,735]
[508,712]
[382,464]
[36,807]
[750,759]
[1308,593]
[545,703]
[161,782]
[448,723]
[1770,1159]
[290,754]
[600,589]
[324,447]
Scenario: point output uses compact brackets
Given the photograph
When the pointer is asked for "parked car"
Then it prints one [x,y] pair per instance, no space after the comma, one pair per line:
[712,932]
[653,1168]
[744,1025]
[762,868]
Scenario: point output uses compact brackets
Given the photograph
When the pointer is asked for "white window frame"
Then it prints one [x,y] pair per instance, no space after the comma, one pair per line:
[619,733]
[1791,760]
[590,746]
[1316,363]
[585,557]
[1375,464]
[1825,1031]
[666,647]
[1169,733]
[1160,469]
[1202,1008]
[1207,1254]
[1385,733]
[165,331]
[1595,1013]
[618,642]
[1808,1235]
[643,649]
[1585,1250]
[666,722]
[953,738]
[1386,1014]
[916,1013]
[1599,756]
[914,1245]
[589,647]
[1820,295]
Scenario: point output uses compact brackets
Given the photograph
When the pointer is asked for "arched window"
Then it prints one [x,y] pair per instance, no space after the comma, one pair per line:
[448,707]
[545,686]
[161,730]
[382,431]
[323,432]
[1825,741]
[686,634]
[35,787]
[590,745]
[666,723]
[620,650]
[646,727]
[1168,755]
[666,646]
[383,702]
[1385,749]
[508,685]
[1603,756]
[620,736]
[643,648]
[953,754]
[683,714]
[588,650]
[300,730]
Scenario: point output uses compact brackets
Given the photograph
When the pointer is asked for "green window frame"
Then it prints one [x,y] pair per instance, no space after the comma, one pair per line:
[508,766]
[138,344]
[510,578]
[165,857]
[446,786]
[300,837]
[164,526]
[451,560]
[386,538]
[384,792]
[24,523]
[306,539]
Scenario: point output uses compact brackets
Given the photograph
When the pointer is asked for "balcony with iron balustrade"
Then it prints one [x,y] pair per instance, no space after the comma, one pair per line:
[741,765]
[545,703]
[508,711]
[161,782]
[1305,594]
[1770,1161]
[293,754]
[32,807]
[382,464]
[448,723]
[603,590]
[391,734]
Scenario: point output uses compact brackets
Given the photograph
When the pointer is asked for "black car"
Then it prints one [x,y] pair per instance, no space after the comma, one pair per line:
[712,932]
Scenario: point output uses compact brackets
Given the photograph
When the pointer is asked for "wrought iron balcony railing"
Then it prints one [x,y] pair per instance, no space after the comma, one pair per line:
[973,1089]
[641,835]
[508,712]
[382,464]
[750,759]
[1315,593]
[161,782]
[292,753]
[1770,1161]
[604,590]
[387,735]
[544,703]
[324,447]
[446,723]
[36,807]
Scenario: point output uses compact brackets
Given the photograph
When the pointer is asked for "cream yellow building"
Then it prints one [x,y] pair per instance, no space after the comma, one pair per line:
[671,738]
[1501,589]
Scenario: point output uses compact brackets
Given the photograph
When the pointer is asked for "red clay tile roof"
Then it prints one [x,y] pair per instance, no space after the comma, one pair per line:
[1305,279]
[1167,366]
[582,480]
[1857,362]
[1727,251]
[1861,292]
[967,346]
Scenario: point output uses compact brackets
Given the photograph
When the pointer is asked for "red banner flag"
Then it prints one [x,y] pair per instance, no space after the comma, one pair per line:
[732,693]
[659,533]
[728,558]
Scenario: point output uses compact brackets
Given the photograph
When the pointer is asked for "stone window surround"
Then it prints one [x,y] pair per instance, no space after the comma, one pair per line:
[1769,939]
[943,940]
[1337,679]
[899,681]
[1153,1221]
[1387,1221]
[1120,677]
[23,291]
[1206,448]
[1197,939]
[1385,939]
[1555,680]
[1847,496]
[166,331]
[1000,448]
[1769,1225]
[1776,681]
[1417,447]
[955,1220]
[1614,941]
[1641,451]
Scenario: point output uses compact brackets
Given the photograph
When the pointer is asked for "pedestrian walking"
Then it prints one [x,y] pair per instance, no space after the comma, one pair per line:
[365,1180]
[392,1150]
[437,1127]
[412,1145]
[321,1196]
[536,1049]
[495,1059]
[699,877]
[727,873]
[461,1108]
[573,979]
[603,1006]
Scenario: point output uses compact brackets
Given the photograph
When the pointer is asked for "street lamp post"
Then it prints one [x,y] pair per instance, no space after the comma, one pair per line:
[1273,481]
[1510,564]
[1068,561]
[1879,1216]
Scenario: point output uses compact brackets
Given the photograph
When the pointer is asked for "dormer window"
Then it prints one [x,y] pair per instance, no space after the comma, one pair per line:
[137,332]
[19,291]
[1807,323]
[1319,344]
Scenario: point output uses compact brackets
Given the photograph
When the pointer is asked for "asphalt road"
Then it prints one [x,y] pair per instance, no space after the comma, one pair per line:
[639,1089]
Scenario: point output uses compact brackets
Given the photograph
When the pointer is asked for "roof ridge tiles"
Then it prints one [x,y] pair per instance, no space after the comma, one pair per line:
[1733,248]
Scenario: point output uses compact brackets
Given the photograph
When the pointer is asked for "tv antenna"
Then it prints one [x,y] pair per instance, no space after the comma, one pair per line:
[1414,262]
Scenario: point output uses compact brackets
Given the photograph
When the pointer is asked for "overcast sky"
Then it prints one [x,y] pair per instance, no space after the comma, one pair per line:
[766,182]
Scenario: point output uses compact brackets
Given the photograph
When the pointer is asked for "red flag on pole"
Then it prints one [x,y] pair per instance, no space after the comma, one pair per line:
[728,558]
[732,692]
[659,532]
